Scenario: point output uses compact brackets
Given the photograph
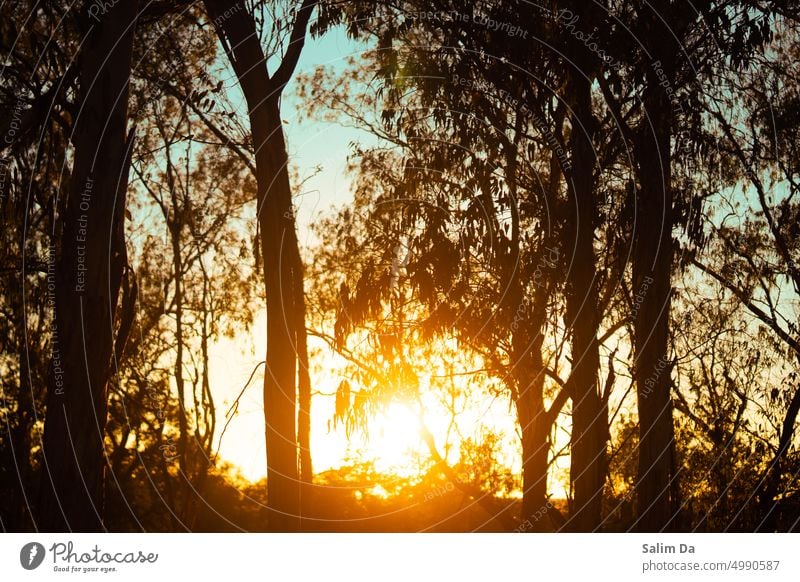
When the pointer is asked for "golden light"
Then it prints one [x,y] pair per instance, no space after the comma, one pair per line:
[393,438]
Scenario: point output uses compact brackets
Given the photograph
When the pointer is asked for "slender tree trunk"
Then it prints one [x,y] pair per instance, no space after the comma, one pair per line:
[303,373]
[535,431]
[175,225]
[21,433]
[183,425]
[589,414]
[280,395]
[208,421]
[652,264]
[89,274]
[528,375]
[237,32]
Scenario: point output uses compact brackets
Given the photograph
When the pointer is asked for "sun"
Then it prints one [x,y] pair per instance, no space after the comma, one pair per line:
[395,438]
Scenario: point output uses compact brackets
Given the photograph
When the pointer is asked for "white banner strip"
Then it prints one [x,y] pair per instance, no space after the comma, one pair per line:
[400,557]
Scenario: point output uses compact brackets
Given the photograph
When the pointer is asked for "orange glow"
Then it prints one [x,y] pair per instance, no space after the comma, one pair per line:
[392,441]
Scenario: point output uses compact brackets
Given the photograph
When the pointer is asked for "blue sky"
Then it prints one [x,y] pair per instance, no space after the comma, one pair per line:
[313,142]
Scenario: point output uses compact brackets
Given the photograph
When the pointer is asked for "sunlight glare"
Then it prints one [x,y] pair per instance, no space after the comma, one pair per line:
[396,436]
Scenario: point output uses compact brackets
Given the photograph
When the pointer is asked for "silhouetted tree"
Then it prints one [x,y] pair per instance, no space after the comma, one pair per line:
[90,324]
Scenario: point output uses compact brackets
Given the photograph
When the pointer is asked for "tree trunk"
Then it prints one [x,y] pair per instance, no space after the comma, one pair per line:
[303,373]
[183,425]
[652,263]
[526,376]
[280,395]
[20,434]
[535,429]
[589,414]
[88,276]
[238,35]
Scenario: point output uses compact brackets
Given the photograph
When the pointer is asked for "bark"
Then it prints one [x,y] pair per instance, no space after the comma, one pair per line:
[303,385]
[525,377]
[589,414]
[528,376]
[89,274]
[175,228]
[652,262]
[535,428]
[237,32]
[20,434]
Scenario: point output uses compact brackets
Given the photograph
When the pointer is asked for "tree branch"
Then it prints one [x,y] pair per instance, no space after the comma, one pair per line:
[296,42]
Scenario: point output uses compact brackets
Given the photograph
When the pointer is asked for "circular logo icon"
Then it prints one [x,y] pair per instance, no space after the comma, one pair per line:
[31,555]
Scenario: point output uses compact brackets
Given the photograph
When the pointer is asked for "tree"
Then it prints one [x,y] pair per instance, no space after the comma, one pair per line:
[653,92]
[753,252]
[206,288]
[589,412]
[91,272]
[283,273]
[36,96]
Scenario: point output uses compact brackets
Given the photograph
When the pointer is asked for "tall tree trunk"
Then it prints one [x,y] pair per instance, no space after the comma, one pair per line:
[526,375]
[89,275]
[589,414]
[175,225]
[20,434]
[535,430]
[237,32]
[303,373]
[206,419]
[280,393]
[527,371]
[180,384]
[652,264]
